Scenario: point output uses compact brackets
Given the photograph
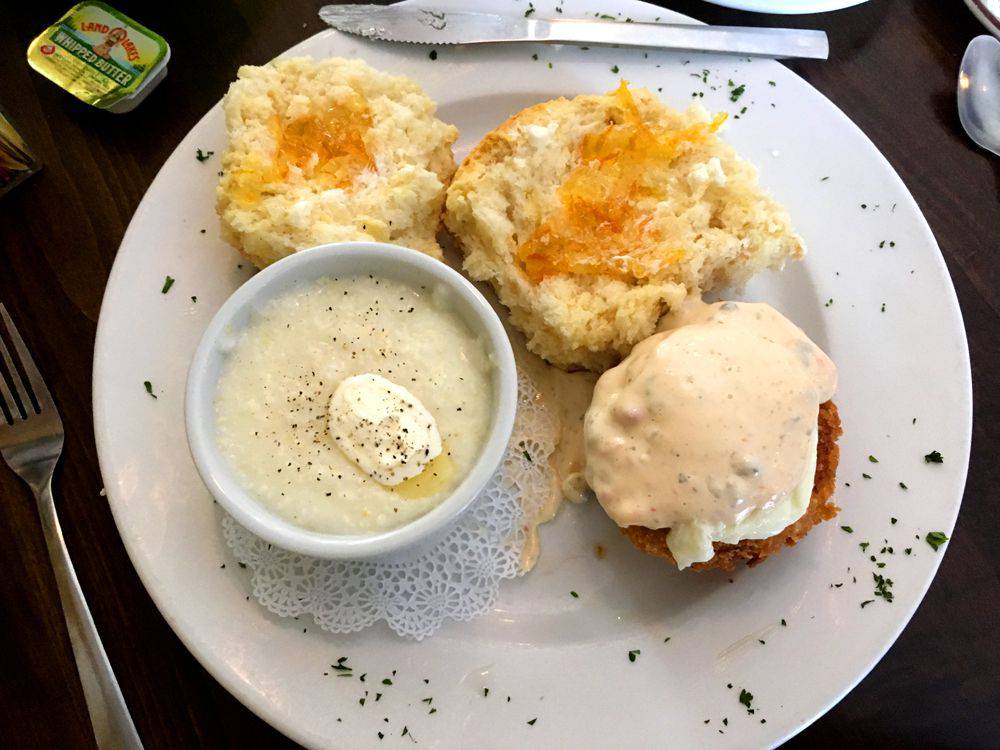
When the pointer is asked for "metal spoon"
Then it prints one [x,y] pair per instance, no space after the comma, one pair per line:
[979,92]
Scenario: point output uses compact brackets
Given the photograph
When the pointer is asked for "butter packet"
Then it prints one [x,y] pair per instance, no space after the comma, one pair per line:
[101,56]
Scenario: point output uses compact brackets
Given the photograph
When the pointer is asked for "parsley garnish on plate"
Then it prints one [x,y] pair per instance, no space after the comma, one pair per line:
[167,283]
[615,69]
[203,156]
[574,594]
[532,722]
[149,388]
[848,529]
[936,539]
[872,459]
[633,654]
[883,586]
[746,698]
[934,458]
[433,54]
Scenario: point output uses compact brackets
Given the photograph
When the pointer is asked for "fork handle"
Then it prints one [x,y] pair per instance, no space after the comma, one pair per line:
[109,716]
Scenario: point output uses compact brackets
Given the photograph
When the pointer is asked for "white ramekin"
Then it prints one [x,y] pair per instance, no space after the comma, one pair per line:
[302,268]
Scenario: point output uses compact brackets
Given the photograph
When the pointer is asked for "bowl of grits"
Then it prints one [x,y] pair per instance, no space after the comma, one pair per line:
[351,400]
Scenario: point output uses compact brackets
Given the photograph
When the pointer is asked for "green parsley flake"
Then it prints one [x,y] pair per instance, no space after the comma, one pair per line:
[848,529]
[934,458]
[615,69]
[633,654]
[433,54]
[872,459]
[936,539]
[532,722]
[746,698]
[149,388]
[737,92]
[574,594]
[203,156]
[167,283]
[883,587]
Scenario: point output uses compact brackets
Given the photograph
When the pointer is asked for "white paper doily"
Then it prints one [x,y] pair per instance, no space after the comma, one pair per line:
[414,592]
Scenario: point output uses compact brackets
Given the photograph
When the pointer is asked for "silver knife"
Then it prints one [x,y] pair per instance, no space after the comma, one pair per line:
[426,25]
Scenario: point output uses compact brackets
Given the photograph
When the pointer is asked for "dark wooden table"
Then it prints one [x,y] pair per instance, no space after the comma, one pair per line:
[892,71]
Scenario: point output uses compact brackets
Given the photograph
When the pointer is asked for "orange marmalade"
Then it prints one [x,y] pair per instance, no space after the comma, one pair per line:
[601,225]
[326,147]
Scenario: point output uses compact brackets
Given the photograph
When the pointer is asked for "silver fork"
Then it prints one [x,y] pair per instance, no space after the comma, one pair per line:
[31,441]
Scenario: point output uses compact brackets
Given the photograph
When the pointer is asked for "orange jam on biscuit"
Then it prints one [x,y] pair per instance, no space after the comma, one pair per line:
[326,147]
[601,225]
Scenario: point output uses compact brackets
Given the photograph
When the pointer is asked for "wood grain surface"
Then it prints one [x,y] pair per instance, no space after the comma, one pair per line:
[892,70]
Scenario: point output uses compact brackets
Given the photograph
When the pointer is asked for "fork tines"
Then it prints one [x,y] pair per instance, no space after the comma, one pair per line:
[22,390]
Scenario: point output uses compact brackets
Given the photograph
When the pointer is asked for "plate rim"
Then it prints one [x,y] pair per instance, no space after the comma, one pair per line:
[803,7]
[262,708]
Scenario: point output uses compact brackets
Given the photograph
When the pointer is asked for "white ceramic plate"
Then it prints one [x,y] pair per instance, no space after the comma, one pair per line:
[787,7]
[564,660]
[988,12]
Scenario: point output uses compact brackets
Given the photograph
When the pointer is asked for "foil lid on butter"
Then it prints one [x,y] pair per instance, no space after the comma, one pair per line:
[101,56]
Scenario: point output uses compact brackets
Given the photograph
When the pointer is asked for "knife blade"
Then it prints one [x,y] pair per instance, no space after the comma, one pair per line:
[427,25]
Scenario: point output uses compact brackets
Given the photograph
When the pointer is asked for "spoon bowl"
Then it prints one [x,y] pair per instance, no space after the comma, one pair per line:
[979,92]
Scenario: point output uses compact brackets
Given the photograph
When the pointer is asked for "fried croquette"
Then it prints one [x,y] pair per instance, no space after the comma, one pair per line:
[755,551]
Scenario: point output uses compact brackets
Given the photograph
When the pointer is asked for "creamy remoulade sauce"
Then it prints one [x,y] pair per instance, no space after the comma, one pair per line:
[709,427]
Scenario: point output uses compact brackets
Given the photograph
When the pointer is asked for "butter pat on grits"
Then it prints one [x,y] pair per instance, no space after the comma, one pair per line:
[354,405]
[383,428]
